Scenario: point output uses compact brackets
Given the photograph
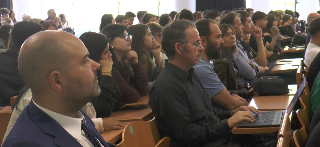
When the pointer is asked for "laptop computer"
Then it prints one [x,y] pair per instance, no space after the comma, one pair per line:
[273,118]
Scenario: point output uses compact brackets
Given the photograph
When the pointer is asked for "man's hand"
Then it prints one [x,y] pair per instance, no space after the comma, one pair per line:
[110,124]
[240,116]
[257,32]
[6,109]
[245,108]
[132,57]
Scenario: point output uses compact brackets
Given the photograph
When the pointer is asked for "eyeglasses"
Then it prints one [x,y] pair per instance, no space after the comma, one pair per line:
[126,37]
[197,44]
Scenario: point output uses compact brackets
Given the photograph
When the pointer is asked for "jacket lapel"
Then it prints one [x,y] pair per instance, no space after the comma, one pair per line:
[51,127]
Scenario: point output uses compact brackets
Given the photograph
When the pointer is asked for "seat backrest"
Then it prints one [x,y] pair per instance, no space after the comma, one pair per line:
[285,127]
[137,134]
[155,130]
[299,137]
[12,100]
[164,142]
[303,117]
[4,121]
[299,75]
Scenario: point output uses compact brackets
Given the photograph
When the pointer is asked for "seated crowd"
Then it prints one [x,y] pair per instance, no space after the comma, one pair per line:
[196,69]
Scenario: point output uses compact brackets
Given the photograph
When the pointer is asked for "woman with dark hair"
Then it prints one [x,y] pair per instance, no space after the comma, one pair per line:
[270,33]
[109,99]
[12,15]
[165,19]
[127,71]
[144,43]
[225,67]
[105,20]
[286,29]
[48,25]
[4,37]
[64,22]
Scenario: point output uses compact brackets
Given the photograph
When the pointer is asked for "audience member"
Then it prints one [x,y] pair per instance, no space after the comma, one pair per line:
[130,17]
[165,19]
[197,16]
[315,93]
[311,17]
[131,79]
[248,69]
[210,40]
[186,14]
[48,25]
[52,17]
[259,20]
[286,28]
[5,19]
[12,15]
[270,34]
[148,17]
[121,19]
[110,98]
[314,46]
[60,88]
[213,15]
[105,20]
[250,11]
[178,101]
[156,31]
[4,37]
[146,47]
[140,15]
[225,67]
[10,79]
[26,17]
[173,14]
[64,22]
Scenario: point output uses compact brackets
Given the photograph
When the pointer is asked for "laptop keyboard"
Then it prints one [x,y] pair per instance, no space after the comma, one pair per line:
[264,118]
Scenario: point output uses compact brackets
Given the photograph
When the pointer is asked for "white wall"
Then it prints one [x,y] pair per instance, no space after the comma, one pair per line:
[304,7]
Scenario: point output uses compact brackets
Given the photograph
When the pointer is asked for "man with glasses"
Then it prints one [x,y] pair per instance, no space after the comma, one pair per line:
[177,98]
[211,40]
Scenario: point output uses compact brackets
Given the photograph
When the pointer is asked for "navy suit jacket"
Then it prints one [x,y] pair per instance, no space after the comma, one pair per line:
[36,128]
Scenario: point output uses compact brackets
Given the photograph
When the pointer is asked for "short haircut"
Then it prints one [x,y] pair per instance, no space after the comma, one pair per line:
[95,43]
[229,18]
[258,16]
[164,19]
[205,12]
[154,27]
[249,9]
[140,14]
[49,11]
[173,14]
[22,31]
[173,33]
[314,27]
[119,18]
[5,31]
[186,14]
[4,11]
[212,15]
[225,12]
[203,27]
[105,20]
[243,15]
[130,14]
[147,17]
[214,10]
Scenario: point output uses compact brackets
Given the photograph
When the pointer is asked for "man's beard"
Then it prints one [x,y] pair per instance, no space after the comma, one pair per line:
[212,51]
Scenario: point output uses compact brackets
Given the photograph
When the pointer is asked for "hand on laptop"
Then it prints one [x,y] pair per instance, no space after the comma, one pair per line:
[242,113]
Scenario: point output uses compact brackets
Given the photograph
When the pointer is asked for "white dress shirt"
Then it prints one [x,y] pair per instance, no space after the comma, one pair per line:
[312,51]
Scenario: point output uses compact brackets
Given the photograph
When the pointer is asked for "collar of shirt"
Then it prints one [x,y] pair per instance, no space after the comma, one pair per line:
[312,45]
[202,61]
[71,125]
[179,72]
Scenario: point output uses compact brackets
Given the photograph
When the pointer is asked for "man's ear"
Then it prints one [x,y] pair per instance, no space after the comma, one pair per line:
[178,48]
[204,41]
[55,81]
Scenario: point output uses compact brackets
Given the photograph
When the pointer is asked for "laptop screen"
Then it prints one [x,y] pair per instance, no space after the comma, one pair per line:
[296,96]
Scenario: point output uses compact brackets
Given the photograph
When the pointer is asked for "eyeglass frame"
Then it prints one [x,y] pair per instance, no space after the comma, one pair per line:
[126,37]
[197,45]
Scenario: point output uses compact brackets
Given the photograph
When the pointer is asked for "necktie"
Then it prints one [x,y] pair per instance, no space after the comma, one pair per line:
[85,128]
